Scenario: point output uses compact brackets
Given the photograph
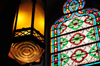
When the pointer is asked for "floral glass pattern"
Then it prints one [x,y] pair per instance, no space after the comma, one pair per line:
[75,24]
[75,37]
[94,52]
[79,55]
[91,35]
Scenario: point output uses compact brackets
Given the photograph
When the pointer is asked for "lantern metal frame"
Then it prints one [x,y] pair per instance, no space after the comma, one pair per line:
[19,35]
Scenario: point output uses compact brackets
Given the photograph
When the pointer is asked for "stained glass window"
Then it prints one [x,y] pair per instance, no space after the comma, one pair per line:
[75,37]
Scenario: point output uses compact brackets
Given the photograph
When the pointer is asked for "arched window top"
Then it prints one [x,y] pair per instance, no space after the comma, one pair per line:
[75,37]
[93,13]
[73,5]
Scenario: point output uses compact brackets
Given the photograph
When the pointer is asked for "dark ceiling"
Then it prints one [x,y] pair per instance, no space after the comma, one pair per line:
[7,10]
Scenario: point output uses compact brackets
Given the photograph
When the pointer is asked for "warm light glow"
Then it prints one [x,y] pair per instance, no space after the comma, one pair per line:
[39,19]
[22,63]
[24,15]
[11,56]
[26,52]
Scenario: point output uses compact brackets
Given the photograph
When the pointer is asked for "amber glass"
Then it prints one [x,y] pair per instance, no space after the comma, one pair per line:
[39,18]
[27,51]
[24,18]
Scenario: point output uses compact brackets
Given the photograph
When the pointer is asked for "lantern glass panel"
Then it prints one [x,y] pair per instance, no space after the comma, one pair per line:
[39,18]
[24,15]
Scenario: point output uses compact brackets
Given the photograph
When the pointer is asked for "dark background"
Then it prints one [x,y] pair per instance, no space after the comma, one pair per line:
[53,10]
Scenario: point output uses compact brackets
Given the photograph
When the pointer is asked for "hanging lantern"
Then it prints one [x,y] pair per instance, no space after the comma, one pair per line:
[27,43]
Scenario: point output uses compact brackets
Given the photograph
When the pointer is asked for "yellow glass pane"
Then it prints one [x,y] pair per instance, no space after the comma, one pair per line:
[24,15]
[39,19]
